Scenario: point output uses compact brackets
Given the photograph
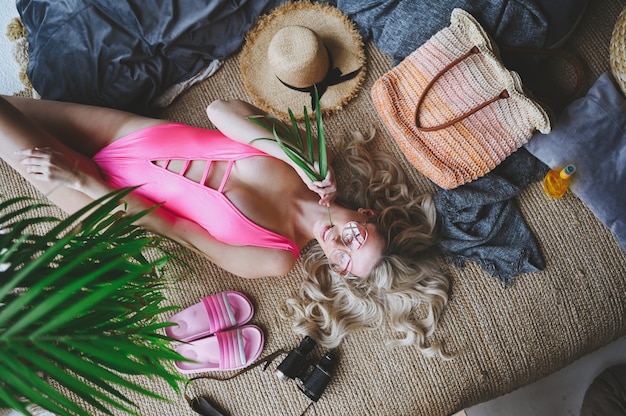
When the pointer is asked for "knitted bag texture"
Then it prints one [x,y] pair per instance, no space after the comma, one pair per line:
[453,108]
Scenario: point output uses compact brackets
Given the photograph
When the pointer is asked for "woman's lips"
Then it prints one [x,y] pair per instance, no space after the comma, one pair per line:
[325,232]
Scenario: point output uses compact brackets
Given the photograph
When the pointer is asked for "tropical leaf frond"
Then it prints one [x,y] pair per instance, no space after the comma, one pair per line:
[290,140]
[321,140]
[80,299]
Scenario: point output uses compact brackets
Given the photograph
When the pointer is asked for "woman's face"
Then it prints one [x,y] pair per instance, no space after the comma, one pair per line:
[352,244]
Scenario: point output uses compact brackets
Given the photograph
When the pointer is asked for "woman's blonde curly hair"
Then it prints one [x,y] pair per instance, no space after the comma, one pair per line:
[406,283]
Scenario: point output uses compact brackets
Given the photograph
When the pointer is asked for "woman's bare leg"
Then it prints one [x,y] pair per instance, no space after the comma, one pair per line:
[86,129]
[75,131]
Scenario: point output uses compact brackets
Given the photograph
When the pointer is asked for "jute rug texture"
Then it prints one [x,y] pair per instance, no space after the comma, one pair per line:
[503,338]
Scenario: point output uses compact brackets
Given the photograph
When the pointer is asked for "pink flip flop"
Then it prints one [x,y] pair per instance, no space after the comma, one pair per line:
[228,350]
[212,314]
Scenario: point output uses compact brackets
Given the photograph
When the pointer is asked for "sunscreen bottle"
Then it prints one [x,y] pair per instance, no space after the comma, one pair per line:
[556,181]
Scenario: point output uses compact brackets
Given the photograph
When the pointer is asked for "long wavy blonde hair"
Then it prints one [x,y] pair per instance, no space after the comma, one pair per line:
[406,287]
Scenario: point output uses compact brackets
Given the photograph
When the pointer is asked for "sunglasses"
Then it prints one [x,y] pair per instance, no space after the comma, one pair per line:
[353,236]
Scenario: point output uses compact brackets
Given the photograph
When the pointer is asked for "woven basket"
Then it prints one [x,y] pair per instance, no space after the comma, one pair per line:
[618,51]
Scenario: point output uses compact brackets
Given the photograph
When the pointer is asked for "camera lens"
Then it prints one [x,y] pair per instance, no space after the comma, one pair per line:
[316,382]
[296,362]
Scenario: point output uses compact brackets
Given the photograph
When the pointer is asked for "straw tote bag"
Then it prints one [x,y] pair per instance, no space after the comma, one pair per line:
[453,108]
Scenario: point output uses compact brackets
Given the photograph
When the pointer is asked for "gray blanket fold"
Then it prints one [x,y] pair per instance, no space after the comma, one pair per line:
[482,223]
[398,27]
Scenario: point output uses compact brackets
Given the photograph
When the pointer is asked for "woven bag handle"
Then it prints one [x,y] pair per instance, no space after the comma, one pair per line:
[473,51]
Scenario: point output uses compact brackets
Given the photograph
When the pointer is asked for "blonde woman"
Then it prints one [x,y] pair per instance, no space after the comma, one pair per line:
[404,279]
[247,207]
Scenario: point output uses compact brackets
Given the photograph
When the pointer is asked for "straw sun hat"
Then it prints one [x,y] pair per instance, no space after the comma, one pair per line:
[297,47]
[618,51]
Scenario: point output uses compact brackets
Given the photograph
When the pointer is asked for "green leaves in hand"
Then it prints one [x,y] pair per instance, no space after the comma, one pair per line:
[289,139]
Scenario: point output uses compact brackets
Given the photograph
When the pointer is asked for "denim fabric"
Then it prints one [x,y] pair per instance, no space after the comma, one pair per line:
[482,223]
[122,54]
[398,27]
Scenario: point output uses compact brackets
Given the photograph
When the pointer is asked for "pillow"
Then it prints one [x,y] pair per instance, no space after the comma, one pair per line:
[591,134]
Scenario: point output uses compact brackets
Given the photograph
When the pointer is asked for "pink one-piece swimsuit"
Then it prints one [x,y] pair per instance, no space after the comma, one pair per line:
[129,161]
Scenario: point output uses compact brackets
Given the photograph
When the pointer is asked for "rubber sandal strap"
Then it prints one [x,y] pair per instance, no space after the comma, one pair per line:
[231,346]
[220,312]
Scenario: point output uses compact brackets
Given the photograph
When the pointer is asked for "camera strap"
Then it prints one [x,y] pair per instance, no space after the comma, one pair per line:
[204,406]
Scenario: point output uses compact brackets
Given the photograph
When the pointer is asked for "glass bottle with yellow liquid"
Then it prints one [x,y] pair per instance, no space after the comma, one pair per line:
[556,181]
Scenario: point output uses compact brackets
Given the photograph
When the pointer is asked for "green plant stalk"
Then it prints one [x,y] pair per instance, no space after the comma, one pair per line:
[289,139]
[330,220]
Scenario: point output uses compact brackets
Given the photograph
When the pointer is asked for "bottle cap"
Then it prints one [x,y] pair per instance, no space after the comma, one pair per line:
[567,171]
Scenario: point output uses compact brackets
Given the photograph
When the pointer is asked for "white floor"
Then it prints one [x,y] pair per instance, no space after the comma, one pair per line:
[559,394]
[9,69]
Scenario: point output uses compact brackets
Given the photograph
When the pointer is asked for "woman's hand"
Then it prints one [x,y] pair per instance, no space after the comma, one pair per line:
[48,165]
[326,189]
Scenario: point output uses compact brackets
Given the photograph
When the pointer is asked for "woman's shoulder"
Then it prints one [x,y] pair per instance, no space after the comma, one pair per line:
[264,262]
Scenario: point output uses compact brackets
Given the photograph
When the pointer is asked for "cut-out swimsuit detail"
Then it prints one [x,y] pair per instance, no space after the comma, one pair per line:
[142,158]
[187,163]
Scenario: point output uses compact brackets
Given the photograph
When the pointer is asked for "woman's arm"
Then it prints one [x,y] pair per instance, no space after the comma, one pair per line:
[230,117]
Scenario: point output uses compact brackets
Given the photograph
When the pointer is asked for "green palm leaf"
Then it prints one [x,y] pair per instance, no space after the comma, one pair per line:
[79,303]
[290,140]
